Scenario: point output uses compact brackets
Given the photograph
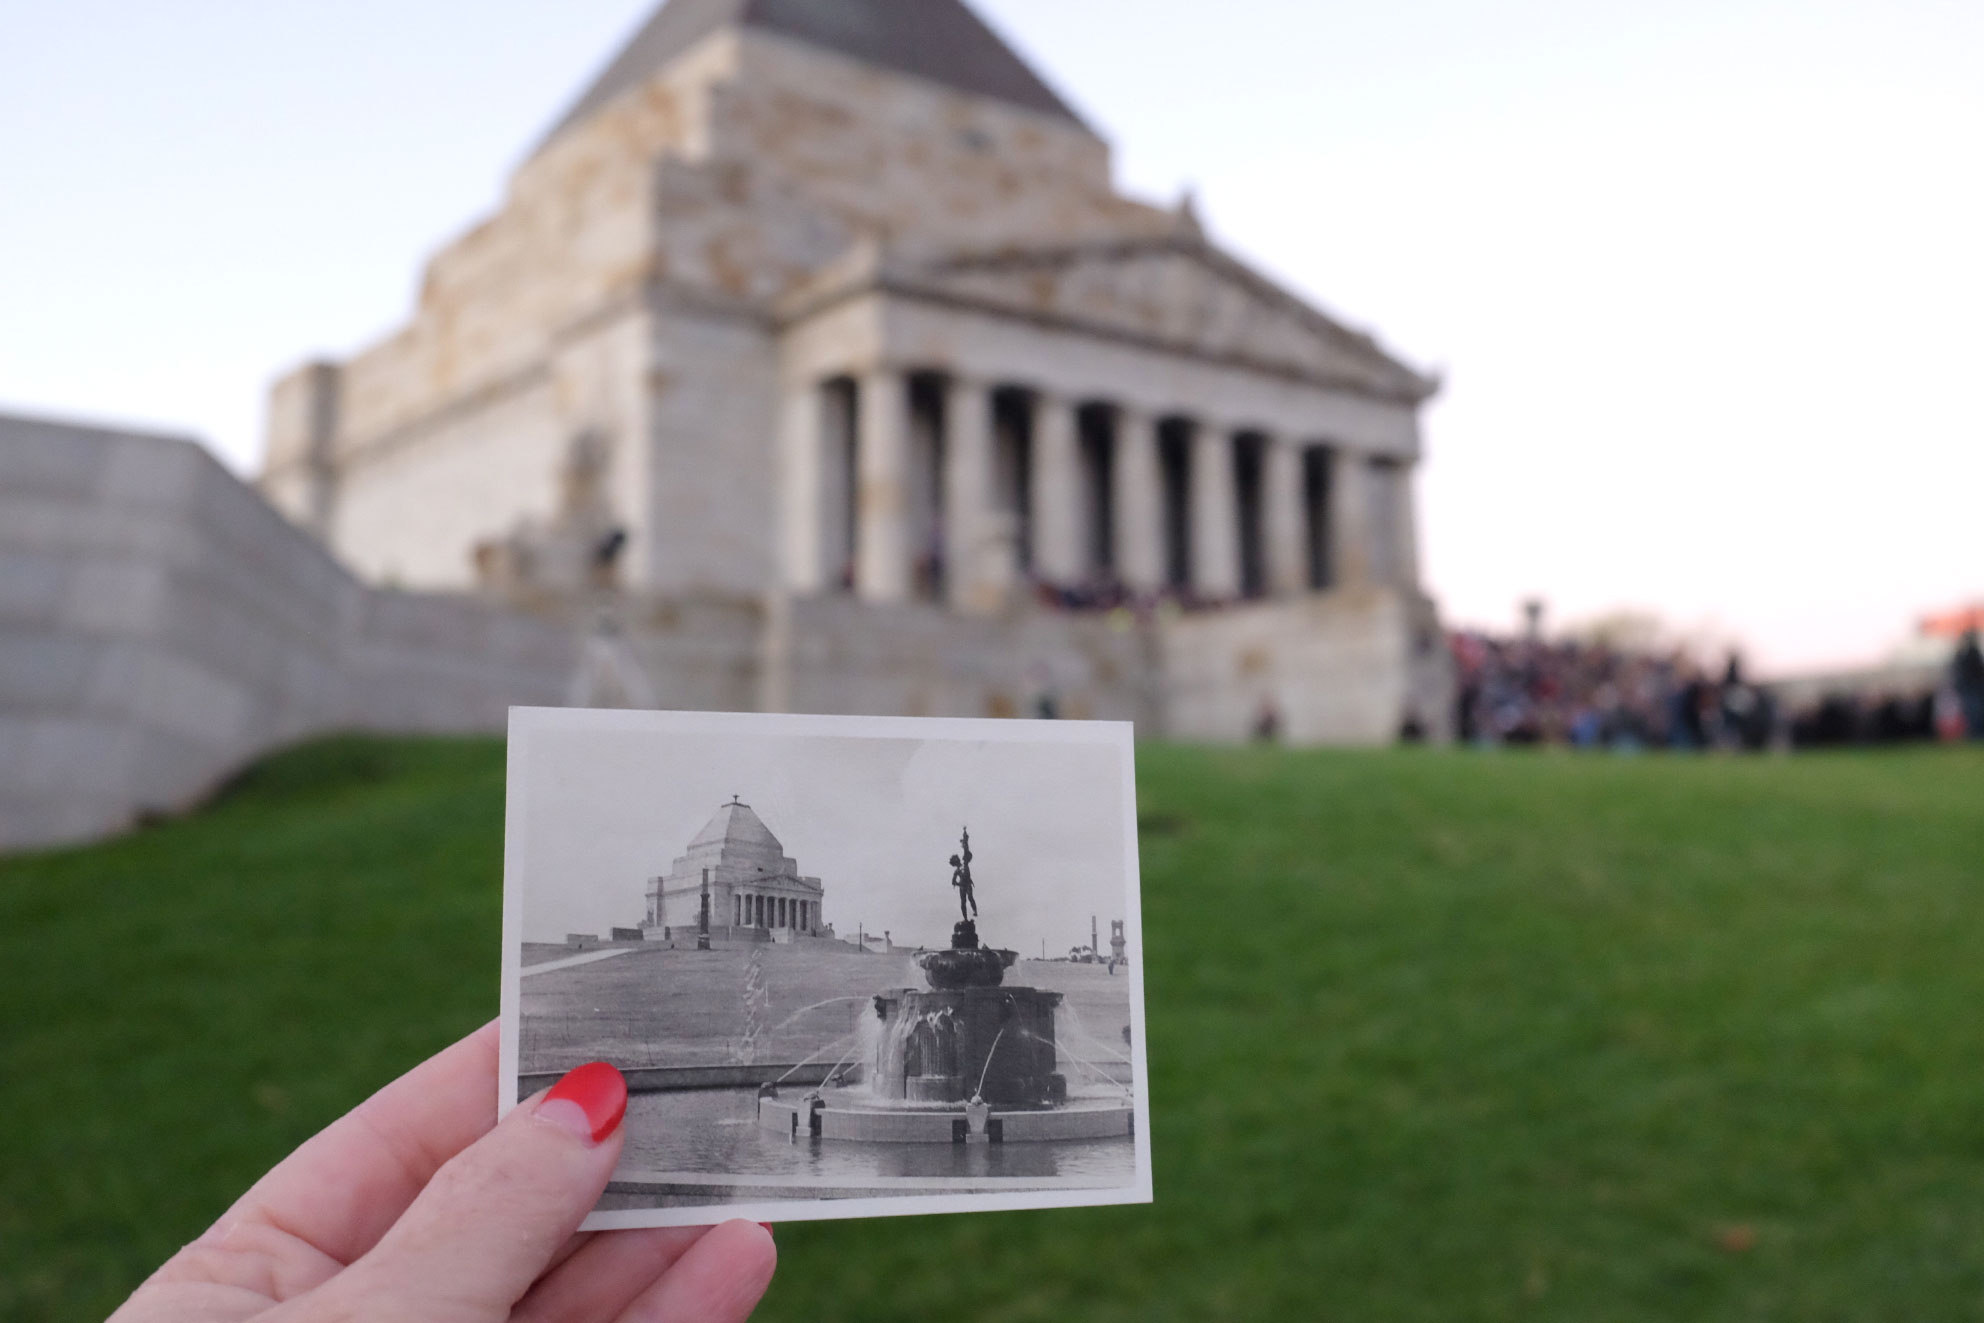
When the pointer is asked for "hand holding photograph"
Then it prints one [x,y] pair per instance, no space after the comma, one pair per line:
[751,917]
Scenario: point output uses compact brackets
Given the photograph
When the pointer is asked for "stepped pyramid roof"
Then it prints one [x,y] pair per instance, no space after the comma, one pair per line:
[938,40]
[736,827]
[737,847]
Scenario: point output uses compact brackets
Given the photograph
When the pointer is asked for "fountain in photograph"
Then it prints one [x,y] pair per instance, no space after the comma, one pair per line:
[965,1060]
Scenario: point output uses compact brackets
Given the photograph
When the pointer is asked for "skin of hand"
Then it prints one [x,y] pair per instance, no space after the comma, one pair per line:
[420,1205]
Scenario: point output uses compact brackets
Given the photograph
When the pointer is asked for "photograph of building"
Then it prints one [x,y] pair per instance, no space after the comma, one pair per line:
[777,1068]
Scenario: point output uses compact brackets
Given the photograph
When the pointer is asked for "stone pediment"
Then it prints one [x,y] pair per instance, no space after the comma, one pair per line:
[1176,292]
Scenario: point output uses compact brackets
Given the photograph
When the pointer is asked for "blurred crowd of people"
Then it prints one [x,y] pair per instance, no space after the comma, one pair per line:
[1529,690]
[1594,695]
[1948,705]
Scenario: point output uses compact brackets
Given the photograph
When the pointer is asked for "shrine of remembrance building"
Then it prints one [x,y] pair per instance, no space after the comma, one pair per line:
[814,361]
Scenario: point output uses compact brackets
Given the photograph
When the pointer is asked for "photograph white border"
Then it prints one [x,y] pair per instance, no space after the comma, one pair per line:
[526,721]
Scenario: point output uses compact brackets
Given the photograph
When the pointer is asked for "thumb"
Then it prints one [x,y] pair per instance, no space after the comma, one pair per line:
[490,1221]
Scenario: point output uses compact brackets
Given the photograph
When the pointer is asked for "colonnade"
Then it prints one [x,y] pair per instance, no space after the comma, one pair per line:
[903,484]
[756,909]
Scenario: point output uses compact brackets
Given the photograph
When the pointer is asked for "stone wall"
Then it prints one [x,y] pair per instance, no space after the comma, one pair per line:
[710,510]
[1351,668]
[809,150]
[914,659]
[699,654]
[1355,666]
[160,625]
[414,511]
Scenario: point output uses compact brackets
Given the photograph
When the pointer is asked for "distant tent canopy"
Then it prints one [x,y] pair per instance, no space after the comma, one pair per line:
[1954,624]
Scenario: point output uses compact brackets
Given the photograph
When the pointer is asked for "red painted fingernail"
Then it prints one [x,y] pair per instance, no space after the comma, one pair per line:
[768,1228]
[589,1102]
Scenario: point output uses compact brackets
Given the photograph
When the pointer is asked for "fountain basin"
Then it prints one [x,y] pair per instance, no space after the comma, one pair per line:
[978,967]
[950,1045]
[828,1117]
[966,1065]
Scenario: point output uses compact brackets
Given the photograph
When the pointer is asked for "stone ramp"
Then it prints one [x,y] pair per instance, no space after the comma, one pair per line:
[161,625]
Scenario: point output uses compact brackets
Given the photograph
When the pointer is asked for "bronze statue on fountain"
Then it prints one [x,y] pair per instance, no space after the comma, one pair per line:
[965,964]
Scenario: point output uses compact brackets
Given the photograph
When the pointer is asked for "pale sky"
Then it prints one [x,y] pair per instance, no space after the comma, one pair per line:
[1703,277]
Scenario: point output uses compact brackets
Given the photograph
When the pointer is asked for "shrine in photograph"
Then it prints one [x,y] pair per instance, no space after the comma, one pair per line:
[754,887]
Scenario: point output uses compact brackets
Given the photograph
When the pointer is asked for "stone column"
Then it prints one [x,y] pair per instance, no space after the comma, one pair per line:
[1350,522]
[1057,493]
[881,547]
[1281,499]
[981,559]
[803,496]
[1215,513]
[1405,526]
[1139,502]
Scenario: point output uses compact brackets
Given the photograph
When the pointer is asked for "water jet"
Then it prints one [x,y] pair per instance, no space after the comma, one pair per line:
[967,1059]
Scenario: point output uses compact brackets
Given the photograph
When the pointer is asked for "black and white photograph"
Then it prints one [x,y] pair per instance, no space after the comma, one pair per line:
[849,966]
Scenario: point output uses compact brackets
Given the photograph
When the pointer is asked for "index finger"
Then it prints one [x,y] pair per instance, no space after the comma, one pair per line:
[350,1182]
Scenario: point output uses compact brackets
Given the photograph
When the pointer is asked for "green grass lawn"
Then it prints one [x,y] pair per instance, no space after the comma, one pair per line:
[1439,1036]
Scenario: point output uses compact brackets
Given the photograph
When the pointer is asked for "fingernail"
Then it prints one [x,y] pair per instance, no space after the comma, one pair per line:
[588,1103]
[768,1228]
